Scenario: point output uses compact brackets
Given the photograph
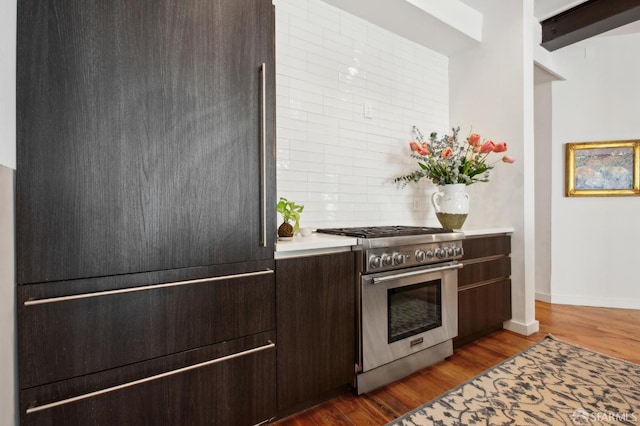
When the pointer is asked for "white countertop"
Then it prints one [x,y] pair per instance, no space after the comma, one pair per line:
[486,231]
[313,244]
[318,243]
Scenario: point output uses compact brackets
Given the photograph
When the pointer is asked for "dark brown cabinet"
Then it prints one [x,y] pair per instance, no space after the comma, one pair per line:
[145,225]
[484,287]
[316,327]
[96,330]
[226,384]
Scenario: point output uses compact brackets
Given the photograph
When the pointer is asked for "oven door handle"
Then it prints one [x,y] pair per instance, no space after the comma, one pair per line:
[447,267]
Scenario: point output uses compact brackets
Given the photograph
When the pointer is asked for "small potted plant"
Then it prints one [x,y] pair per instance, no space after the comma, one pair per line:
[290,211]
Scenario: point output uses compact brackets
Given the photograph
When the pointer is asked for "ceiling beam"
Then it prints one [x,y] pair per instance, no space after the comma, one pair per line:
[588,19]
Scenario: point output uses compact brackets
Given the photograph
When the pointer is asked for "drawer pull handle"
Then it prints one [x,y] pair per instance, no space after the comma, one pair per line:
[37,408]
[33,302]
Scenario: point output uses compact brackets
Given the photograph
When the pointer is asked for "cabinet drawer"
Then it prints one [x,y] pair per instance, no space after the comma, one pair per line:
[478,272]
[475,248]
[232,383]
[482,310]
[71,336]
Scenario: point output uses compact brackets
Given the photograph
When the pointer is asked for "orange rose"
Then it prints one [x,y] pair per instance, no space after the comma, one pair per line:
[500,147]
[423,149]
[487,147]
[474,139]
[446,153]
[414,145]
[507,159]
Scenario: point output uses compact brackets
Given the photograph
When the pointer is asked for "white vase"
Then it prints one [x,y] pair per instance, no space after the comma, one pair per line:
[451,203]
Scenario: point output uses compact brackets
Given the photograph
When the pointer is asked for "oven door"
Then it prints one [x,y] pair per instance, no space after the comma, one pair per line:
[407,311]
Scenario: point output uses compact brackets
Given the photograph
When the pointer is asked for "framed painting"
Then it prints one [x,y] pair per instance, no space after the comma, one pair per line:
[602,169]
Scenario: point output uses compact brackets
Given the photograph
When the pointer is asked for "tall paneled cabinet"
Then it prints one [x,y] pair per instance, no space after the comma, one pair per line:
[144,212]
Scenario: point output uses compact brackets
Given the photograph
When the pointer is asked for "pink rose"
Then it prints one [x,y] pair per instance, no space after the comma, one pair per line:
[500,147]
[474,139]
[487,147]
[507,159]
[414,145]
[446,153]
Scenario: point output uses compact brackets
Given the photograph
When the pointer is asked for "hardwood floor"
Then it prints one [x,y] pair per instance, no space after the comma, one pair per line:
[615,332]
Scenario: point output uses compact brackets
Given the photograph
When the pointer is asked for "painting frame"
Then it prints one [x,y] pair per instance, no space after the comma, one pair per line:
[601,154]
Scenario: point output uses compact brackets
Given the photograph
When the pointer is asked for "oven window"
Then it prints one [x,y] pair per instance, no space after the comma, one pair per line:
[414,309]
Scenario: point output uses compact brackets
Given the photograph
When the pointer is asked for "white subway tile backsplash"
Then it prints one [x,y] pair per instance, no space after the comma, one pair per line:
[325,178]
[294,114]
[288,123]
[331,158]
[327,15]
[306,166]
[295,8]
[284,132]
[353,27]
[285,187]
[302,156]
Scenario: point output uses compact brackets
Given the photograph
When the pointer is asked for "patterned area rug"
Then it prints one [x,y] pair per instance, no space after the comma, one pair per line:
[550,383]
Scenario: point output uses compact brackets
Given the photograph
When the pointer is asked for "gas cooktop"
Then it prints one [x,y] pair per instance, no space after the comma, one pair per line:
[384,231]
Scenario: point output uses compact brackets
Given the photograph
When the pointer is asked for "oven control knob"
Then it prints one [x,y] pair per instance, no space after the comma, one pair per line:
[450,251]
[375,261]
[387,260]
[398,258]
[420,255]
[440,253]
[458,251]
[430,254]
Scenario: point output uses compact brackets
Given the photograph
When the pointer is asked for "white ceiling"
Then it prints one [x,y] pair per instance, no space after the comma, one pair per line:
[408,19]
[543,9]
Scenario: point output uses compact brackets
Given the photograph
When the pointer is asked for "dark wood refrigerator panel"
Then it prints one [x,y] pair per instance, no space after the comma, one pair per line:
[139,136]
[145,160]
[69,338]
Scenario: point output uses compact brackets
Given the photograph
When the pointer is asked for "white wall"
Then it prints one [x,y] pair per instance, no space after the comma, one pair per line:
[331,158]
[8,385]
[8,83]
[595,239]
[7,299]
[492,90]
[544,183]
[340,165]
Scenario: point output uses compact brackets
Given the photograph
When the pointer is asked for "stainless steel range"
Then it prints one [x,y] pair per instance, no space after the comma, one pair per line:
[407,283]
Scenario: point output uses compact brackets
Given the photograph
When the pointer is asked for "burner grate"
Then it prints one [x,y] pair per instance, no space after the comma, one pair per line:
[384,231]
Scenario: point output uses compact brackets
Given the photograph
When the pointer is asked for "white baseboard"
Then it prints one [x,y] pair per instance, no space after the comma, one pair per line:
[543,297]
[600,302]
[522,328]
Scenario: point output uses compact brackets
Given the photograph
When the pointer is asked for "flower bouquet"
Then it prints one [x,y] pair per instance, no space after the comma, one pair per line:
[447,161]
[452,165]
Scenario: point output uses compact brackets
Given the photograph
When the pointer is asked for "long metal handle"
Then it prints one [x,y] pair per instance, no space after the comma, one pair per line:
[143,288]
[37,408]
[263,152]
[377,280]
